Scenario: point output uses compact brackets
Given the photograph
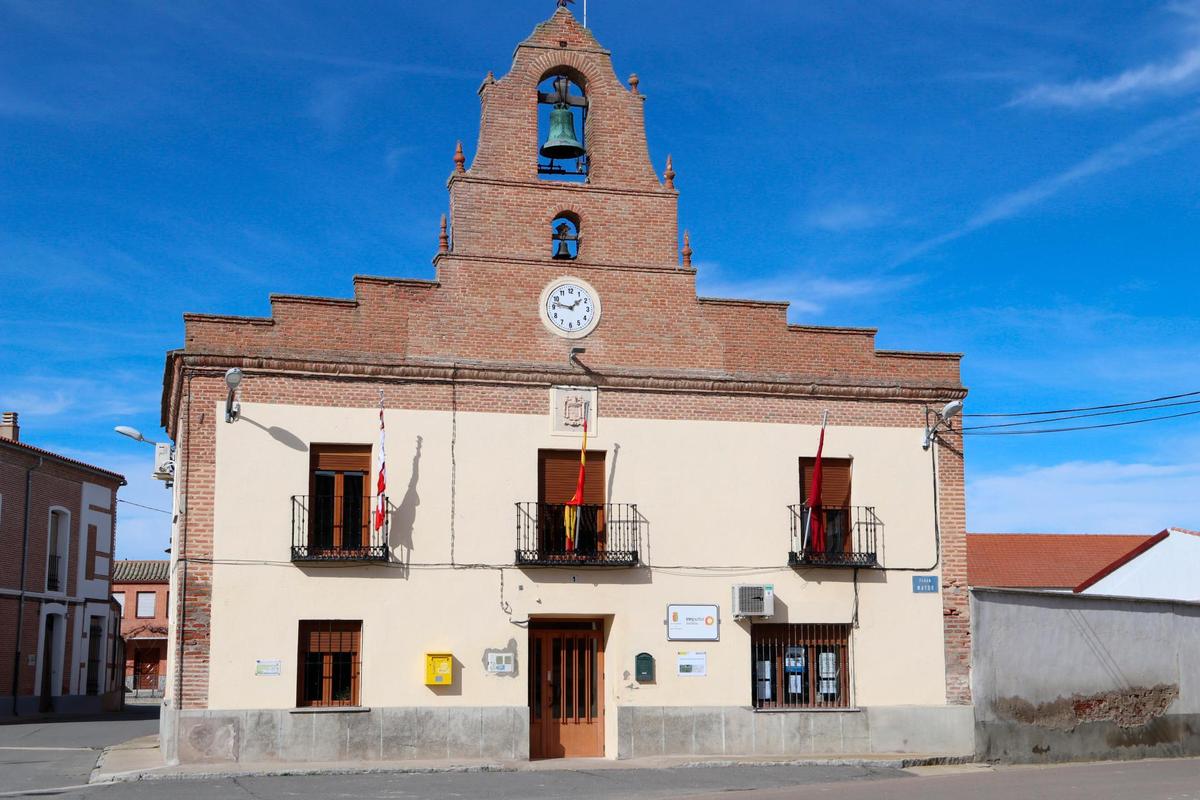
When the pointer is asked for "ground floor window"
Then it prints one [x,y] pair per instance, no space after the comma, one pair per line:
[329,662]
[800,666]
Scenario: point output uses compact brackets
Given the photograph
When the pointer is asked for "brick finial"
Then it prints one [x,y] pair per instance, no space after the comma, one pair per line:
[443,239]
[669,175]
[686,252]
[459,159]
[633,82]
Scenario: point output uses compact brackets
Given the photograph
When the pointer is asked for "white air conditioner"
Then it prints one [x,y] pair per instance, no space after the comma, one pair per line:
[753,600]
[164,462]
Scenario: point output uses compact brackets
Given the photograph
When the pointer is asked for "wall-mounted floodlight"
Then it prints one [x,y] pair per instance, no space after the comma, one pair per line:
[233,379]
[948,413]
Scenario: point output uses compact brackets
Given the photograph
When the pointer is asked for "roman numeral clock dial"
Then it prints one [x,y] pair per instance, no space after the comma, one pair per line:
[570,307]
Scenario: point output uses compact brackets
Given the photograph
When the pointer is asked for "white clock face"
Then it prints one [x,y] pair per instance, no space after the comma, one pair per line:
[570,307]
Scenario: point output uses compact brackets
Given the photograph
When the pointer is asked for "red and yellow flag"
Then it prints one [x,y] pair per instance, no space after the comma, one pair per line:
[571,512]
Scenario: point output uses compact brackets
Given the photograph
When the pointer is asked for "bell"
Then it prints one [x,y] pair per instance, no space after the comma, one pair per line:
[563,250]
[562,142]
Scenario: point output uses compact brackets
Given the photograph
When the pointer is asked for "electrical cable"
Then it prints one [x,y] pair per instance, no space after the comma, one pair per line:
[1081,416]
[139,505]
[1081,427]
[1089,408]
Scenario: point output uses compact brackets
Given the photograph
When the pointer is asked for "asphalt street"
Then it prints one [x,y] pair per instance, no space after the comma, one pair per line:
[61,752]
[1146,780]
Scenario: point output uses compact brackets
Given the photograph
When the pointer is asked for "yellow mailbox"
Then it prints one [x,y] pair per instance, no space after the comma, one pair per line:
[439,669]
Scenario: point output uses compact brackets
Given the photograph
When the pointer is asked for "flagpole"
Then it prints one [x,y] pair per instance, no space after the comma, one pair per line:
[808,516]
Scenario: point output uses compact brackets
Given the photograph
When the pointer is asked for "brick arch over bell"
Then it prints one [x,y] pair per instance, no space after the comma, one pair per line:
[615,134]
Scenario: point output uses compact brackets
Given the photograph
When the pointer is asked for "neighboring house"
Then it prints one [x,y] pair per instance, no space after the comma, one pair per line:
[1165,566]
[1058,561]
[671,604]
[59,642]
[140,589]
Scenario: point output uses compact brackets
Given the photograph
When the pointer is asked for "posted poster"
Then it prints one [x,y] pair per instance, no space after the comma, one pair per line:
[691,664]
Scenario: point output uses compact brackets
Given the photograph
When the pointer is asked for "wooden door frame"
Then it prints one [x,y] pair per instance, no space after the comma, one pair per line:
[546,630]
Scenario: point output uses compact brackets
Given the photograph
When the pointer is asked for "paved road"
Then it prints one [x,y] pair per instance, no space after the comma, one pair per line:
[62,752]
[1146,780]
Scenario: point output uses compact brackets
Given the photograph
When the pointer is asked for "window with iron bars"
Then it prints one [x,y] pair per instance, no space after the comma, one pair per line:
[800,666]
[330,663]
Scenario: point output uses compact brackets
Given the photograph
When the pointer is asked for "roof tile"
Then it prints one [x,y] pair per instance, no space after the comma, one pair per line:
[1042,560]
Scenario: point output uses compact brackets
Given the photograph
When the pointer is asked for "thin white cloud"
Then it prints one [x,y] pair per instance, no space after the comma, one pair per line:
[1132,85]
[843,216]
[1085,497]
[808,293]
[1158,137]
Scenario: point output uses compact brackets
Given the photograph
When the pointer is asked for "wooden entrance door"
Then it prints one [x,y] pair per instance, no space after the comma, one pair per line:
[566,689]
[145,668]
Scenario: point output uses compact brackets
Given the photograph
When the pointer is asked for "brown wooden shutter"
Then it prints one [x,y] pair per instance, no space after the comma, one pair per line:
[835,481]
[558,475]
[341,457]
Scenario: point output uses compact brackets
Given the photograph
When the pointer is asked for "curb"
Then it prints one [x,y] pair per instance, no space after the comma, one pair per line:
[162,773]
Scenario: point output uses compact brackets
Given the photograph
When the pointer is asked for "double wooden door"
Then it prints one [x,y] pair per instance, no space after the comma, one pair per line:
[566,689]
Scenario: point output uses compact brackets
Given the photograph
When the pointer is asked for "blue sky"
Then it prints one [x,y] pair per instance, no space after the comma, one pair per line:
[1011,180]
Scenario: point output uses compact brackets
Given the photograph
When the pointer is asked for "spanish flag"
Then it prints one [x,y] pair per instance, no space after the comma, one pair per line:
[571,512]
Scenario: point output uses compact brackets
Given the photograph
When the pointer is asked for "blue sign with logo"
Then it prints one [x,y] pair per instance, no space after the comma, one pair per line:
[925,584]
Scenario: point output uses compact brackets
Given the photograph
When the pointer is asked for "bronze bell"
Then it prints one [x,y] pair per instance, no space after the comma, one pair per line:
[562,236]
[562,142]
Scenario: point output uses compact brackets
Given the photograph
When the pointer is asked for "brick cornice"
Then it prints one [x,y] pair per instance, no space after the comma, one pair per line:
[541,376]
[550,186]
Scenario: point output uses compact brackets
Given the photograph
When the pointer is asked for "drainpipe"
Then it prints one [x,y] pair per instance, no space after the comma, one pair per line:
[21,586]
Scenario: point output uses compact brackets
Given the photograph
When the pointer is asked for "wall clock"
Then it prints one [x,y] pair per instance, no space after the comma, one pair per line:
[570,307]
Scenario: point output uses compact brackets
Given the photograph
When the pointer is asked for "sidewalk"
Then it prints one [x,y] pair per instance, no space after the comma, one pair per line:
[140,760]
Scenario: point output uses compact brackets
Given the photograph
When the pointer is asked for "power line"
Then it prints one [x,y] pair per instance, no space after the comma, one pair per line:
[1081,416]
[139,505]
[1081,427]
[1089,408]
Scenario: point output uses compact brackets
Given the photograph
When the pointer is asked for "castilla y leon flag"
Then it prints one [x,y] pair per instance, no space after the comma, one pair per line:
[571,512]
[381,483]
[816,516]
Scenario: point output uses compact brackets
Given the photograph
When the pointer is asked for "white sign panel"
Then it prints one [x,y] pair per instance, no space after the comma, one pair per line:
[693,623]
[268,667]
[691,664]
[501,663]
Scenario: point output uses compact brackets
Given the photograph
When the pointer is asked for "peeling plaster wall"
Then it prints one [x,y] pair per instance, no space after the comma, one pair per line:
[1063,677]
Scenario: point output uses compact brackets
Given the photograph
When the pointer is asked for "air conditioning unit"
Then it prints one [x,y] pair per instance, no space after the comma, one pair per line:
[164,462]
[753,600]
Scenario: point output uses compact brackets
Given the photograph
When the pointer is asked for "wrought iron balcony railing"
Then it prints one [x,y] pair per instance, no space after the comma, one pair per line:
[604,535]
[338,528]
[851,537]
[54,574]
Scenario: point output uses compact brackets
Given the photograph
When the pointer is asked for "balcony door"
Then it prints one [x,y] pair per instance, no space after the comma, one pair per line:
[558,477]
[566,688]
[835,499]
[340,489]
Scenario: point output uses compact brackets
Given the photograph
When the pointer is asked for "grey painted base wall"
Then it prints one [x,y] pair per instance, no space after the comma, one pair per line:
[736,730]
[376,734]
[1172,735]
[502,733]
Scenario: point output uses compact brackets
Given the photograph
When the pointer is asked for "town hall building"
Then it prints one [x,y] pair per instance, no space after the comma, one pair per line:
[694,589]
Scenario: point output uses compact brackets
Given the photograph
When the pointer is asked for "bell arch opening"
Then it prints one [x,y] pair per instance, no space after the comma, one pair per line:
[562,107]
[564,236]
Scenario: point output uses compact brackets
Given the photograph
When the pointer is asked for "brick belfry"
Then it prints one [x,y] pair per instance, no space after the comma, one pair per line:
[627,216]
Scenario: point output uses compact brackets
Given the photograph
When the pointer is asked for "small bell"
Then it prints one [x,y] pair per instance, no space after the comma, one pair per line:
[563,235]
[562,143]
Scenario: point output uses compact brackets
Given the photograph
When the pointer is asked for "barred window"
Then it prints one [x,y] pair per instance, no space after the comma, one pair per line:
[329,663]
[800,666]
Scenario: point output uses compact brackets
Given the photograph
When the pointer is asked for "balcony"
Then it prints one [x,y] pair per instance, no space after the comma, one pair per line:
[852,534]
[606,535]
[338,528]
[53,574]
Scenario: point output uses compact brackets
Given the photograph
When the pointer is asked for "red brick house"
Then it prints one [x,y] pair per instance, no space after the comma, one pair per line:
[59,643]
[140,589]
